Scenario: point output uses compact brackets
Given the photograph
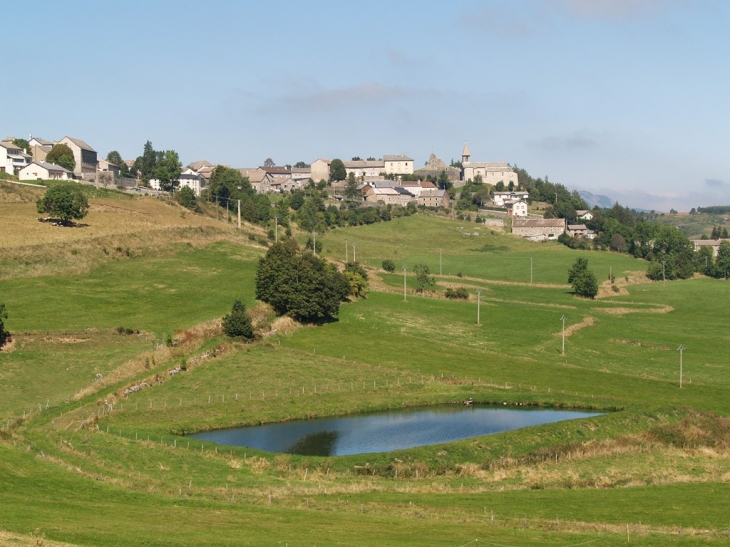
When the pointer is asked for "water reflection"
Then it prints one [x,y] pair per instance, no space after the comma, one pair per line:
[386,431]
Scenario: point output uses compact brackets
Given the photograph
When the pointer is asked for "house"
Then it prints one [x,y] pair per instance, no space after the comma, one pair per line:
[380,183]
[713,243]
[490,172]
[40,170]
[388,196]
[12,158]
[362,168]
[433,197]
[517,208]
[85,156]
[292,184]
[301,173]
[501,199]
[413,186]
[39,148]
[107,166]
[320,169]
[277,173]
[577,230]
[193,180]
[398,165]
[405,197]
[259,179]
[584,214]
[539,229]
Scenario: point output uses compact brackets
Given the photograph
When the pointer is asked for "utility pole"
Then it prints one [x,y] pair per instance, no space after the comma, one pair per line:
[664,275]
[217,209]
[563,320]
[479,298]
[680,349]
[405,297]
[441,271]
[276,228]
[314,243]
[354,255]
[239,214]
[346,252]
[530,270]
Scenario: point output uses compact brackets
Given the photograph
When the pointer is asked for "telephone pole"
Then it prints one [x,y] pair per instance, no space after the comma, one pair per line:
[239,214]
[405,297]
[680,349]
[479,301]
[563,320]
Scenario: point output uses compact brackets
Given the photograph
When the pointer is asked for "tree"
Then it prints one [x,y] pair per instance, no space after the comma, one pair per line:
[167,170]
[4,334]
[579,267]
[583,280]
[388,265]
[268,162]
[22,144]
[358,279]
[723,260]
[423,277]
[301,165]
[186,198]
[65,202]
[147,162]
[351,191]
[499,187]
[337,170]
[618,243]
[443,181]
[63,156]
[237,324]
[305,287]
[116,158]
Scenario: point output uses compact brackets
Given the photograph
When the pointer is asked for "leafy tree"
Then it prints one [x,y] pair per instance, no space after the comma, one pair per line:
[237,324]
[388,265]
[443,181]
[358,279]
[301,165]
[22,144]
[586,285]
[723,260]
[4,334]
[337,170]
[499,187]
[618,243]
[65,202]
[62,155]
[423,277]
[268,162]
[186,198]
[167,170]
[147,162]
[351,191]
[116,158]
[305,287]
[578,268]
[457,294]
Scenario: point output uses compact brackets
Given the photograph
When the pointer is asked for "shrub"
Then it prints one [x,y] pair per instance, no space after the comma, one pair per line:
[237,324]
[388,265]
[4,334]
[64,202]
[457,294]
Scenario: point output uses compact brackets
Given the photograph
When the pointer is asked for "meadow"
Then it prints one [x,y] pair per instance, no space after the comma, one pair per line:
[81,463]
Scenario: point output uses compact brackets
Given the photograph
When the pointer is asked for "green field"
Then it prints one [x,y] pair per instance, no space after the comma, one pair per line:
[83,464]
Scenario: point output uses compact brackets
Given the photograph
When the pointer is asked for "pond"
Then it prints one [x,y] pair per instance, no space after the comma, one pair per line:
[385,431]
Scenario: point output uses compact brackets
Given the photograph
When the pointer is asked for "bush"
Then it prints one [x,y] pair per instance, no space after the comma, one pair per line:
[4,334]
[186,198]
[583,280]
[65,202]
[237,324]
[457,294]
[388,265]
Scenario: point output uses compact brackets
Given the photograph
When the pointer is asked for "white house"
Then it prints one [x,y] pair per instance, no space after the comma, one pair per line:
[40,170]
[12,158]
[398,165]
[517,209]
[503,198]
[584,214]
[193,180]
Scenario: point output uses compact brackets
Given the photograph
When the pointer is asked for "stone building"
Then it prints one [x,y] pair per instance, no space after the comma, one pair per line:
[539,229]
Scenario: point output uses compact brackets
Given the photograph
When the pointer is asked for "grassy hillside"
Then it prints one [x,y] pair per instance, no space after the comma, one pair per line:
[82,463]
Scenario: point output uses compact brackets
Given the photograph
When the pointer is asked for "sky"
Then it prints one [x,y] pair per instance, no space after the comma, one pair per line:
[624,98]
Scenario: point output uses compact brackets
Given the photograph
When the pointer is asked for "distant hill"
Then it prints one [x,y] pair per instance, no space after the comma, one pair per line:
[592,200]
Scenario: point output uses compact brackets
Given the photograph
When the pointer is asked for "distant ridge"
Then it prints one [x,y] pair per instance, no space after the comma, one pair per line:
[604,202]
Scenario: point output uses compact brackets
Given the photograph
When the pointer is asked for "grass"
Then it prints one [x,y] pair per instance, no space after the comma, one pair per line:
[99,468]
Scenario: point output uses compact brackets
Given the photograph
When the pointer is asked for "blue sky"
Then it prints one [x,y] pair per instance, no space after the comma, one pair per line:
[626,98]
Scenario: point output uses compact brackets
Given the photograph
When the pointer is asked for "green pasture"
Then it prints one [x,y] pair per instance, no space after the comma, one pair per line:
[131,477]
[489,255]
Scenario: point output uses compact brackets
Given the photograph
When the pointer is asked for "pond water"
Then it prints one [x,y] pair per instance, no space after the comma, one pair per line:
[385,431]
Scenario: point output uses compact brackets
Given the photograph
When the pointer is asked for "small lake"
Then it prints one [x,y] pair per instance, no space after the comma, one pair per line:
[385,431]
